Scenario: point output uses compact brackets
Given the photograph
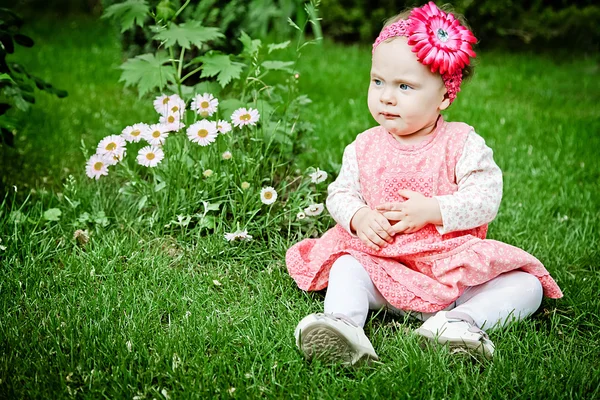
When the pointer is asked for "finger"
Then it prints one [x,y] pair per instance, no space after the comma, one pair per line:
[375,238]
[400,227]
[367,242]
[391,206]
[393,215]
[384,230]
[407,193]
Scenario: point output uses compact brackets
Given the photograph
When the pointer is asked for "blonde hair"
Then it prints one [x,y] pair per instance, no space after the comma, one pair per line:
[467,71]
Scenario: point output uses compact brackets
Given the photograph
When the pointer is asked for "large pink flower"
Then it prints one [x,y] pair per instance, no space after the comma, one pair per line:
[439,39]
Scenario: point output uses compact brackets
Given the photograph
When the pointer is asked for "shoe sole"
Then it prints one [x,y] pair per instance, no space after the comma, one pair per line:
[324,343]
[474,347]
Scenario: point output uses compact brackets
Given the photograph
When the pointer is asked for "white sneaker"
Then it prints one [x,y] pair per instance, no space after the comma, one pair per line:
[333,338]
[458,330]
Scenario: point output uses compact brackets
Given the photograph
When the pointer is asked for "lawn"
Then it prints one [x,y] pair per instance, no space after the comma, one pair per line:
[145,312]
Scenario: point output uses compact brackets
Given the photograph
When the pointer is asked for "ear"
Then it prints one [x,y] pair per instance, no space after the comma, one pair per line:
[445,102]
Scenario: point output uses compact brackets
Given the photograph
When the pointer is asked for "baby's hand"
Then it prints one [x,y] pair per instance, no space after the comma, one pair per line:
[412,214]
[372,228]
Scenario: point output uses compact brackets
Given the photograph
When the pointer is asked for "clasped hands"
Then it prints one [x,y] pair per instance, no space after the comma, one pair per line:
[376,228]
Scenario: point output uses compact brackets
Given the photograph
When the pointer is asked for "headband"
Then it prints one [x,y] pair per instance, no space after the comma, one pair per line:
[439,40]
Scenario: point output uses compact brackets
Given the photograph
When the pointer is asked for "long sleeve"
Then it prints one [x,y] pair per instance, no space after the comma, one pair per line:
[343,195]
[479,192]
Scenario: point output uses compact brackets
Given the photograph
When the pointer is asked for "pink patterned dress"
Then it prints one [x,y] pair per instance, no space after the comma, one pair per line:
[428,270]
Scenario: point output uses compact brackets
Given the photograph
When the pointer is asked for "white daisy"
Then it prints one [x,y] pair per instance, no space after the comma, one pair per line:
[223,126]
[150,156]
[242,117]
[301,215]
[112,146]
[202,132]
[156,134]
[208,173]
[226,155]
[205,104]
[97,166]
[268,195]
[314,209]
[239,234]
[134,132]
[171,122]
[245,185]
[168,103]
[318,176]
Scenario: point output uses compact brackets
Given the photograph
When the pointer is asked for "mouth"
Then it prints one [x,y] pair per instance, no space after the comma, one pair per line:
[387,115]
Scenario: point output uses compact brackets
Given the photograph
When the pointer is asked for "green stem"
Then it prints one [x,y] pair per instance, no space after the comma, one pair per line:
[181,9]
[191,73]
[179,69]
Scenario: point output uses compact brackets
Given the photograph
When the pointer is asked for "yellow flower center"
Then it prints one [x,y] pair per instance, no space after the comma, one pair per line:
[202,133]
[150,156]
[98,166]
[175,109]
[204,104]
[156,134]
[171,119]
[166,100]
[136,133]
[111,146]
[245,117]
[268,195]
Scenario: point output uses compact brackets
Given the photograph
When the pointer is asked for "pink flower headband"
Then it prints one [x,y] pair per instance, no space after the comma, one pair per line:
[439,40]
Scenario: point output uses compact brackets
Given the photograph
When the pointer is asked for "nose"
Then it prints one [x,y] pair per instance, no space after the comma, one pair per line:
[387,96]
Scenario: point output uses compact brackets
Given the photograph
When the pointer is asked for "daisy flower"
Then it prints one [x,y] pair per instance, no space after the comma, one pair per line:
[223,126]
[245,185]
[150,156]
[205,104]
[156,134]
[242,117]
[169,103]
[97,166]
[239,234]
[268,195]
[314,209]
[134,133]
[202,132]
[301,215]
[208,173]
[226,155]
[112,147]
[171,122]
[318,176]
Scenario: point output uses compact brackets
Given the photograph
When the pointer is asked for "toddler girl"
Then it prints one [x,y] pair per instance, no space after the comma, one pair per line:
[412,203]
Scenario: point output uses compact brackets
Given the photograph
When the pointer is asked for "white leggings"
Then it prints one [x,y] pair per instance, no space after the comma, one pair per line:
[511,296]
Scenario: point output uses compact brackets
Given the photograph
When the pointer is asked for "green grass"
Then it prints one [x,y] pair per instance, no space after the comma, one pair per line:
[204,318]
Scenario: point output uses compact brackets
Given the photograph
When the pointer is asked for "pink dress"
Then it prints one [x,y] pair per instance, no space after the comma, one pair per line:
[425,271]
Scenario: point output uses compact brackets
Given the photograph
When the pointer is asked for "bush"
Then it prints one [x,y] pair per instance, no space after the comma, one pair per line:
[495,22]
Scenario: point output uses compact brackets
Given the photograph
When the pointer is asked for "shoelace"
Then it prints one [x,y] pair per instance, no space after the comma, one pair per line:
[473,327]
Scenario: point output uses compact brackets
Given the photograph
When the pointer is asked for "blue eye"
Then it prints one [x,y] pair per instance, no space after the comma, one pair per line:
[404,86]
[377,82]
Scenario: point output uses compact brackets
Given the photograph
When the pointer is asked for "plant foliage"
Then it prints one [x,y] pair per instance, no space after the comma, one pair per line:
[17,86]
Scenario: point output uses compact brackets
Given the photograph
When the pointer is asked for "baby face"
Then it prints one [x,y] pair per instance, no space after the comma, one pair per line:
[405,97]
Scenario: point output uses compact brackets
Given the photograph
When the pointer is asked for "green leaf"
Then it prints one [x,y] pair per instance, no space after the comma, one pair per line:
[278,46]
[186,34]
[128,13]
[6,77]
[228,106]
[250,46]
[147,72]
[53,214]
[279,65]
[221,66]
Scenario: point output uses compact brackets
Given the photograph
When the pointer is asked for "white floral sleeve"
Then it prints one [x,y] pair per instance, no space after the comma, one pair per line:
[343,195]
[479,189]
